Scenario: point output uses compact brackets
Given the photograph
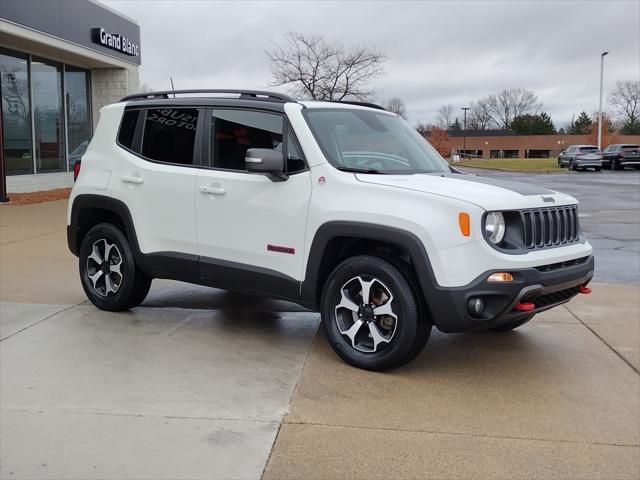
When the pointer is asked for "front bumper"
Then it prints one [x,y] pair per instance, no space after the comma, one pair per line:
[545,286]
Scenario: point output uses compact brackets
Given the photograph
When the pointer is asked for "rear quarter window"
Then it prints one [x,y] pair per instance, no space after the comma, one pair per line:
[128,128]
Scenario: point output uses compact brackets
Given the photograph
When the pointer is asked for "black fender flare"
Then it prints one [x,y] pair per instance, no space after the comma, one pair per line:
[402,238]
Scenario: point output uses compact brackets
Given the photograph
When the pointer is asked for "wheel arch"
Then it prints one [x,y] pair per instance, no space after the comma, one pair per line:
[333,242]
[89,210]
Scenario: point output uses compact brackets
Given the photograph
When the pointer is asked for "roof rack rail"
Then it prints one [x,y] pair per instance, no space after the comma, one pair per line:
[242,94]
[361,104]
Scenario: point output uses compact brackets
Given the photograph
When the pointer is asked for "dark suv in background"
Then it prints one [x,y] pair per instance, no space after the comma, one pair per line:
[618,156]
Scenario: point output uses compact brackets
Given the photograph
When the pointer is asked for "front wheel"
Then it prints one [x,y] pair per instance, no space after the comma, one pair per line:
[371,314]
[108,272]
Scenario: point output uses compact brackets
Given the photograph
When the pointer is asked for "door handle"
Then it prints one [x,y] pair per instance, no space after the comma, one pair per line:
[132,179]
[213,190]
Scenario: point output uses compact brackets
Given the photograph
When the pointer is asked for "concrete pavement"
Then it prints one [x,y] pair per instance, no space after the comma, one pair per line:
[198,383]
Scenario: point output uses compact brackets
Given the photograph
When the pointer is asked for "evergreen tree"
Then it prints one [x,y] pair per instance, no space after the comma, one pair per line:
[539,124]
[455,126]
[582,126]
[630,127]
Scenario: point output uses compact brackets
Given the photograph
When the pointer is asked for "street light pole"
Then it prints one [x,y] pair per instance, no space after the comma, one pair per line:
[602,55]
[464,128]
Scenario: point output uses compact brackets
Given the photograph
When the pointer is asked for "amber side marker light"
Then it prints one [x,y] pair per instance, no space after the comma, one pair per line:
[465,223]
[500,277]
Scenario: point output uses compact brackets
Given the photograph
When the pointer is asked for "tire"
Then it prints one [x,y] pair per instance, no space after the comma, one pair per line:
[612,164]
[512,325]
[107,287]
[559,164]
[598,169]
[359,336]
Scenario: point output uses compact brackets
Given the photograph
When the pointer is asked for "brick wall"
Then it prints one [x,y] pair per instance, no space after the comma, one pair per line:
[522,143]
[109,85]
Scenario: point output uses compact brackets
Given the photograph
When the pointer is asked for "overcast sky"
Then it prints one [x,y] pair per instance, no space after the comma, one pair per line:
[438,52]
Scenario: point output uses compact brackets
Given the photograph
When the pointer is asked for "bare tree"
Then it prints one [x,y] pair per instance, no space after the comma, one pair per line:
[507,104]
[480,115]
[397,106]
[625,100]
[313,67]
[445,116]
[423,126]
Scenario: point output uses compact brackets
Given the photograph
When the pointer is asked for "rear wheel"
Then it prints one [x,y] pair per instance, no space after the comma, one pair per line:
[108,272]
[511,325]
[372,315]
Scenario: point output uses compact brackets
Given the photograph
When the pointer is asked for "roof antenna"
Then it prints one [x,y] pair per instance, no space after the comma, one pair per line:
[172,87]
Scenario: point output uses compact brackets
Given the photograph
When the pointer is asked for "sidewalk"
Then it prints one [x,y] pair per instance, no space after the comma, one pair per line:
[199,383]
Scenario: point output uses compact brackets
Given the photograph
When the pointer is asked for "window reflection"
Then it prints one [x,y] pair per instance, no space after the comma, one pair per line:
[76,84]
[16,119]
[46,78]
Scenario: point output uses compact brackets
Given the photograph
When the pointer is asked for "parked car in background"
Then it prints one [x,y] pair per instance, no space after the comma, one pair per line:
[619,155]
[581,157]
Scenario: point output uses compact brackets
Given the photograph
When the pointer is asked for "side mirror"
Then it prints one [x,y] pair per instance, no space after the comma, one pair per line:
[267,162]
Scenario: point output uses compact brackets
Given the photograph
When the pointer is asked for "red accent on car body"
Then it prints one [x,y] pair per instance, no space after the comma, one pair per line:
[585,290]
[281,249]
[525,306]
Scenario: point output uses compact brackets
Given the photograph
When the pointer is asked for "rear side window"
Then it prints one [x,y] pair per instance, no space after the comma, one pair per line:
[128,128]
[169,135]
[233,132]
[628,148]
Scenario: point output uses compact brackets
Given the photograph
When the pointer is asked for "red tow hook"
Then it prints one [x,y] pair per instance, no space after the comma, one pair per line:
[585,290]
[525,306]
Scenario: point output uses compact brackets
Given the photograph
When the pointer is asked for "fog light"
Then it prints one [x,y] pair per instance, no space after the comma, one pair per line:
[475,306]
[500,277]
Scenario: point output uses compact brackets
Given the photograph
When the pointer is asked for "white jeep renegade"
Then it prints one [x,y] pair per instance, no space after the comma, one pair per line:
[338,206]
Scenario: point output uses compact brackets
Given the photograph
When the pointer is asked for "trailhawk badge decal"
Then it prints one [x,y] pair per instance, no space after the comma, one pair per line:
[281,249]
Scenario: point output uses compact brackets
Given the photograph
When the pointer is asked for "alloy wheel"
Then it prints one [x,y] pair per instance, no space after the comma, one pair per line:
[104,267]
[365,314]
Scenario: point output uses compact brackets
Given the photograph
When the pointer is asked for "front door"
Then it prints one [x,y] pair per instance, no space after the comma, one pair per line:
[251,230]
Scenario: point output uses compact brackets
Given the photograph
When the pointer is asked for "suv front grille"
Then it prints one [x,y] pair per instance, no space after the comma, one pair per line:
[548,227]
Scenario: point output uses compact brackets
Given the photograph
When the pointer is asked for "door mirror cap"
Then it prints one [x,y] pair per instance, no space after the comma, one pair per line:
[267,162]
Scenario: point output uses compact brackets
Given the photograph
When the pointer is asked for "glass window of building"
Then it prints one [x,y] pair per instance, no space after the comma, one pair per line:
[76,88]
[48,120]
[16,118]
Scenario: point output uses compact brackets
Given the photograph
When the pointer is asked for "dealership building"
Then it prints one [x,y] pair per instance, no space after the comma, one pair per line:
[60,62]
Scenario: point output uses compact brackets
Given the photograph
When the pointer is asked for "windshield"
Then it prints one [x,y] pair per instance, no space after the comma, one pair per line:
[588,149]
[372,142]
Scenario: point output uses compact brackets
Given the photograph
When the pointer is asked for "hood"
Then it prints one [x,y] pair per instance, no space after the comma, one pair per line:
[487,193]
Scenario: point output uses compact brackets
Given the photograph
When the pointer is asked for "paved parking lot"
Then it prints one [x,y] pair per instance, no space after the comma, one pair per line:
[200,383]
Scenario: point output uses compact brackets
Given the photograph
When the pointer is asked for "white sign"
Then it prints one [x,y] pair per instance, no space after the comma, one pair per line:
[115,41]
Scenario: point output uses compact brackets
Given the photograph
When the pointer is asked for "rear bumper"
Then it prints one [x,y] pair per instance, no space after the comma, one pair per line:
[587,163]
[546,287]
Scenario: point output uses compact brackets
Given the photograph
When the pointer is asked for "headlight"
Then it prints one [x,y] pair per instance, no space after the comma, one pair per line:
[494,227]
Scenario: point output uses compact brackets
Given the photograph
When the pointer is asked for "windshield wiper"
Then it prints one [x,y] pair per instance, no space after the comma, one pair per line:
[358,170]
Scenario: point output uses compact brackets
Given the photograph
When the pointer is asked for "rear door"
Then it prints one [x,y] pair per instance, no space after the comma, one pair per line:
[156,181]
[251,230]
